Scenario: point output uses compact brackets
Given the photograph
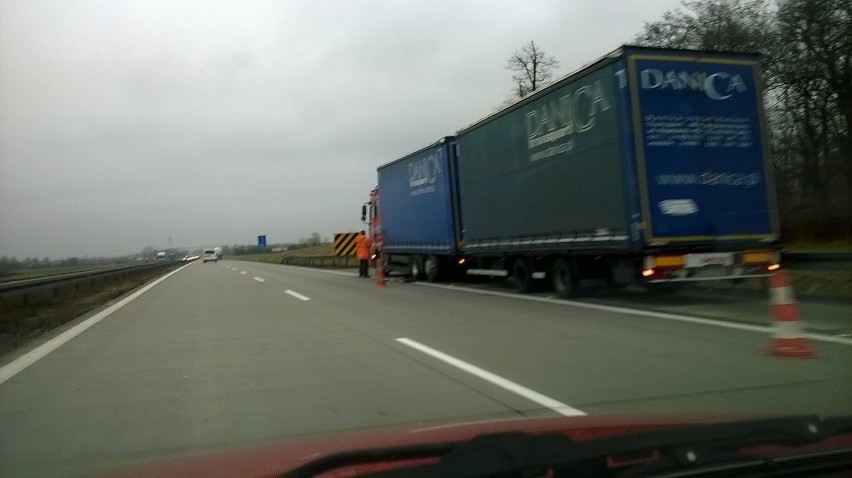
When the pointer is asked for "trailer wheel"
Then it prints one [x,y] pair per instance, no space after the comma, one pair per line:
[561,278]
[522,275]
[431,269]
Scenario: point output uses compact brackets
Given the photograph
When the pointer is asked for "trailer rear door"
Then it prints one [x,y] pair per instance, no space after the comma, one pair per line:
[701,149]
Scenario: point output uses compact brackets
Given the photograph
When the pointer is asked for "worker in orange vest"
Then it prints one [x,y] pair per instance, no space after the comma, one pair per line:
[363,245]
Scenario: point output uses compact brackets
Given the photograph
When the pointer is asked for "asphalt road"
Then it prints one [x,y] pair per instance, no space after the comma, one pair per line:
[232,354]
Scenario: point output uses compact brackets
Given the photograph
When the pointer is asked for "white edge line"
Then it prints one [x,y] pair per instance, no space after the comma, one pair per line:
[644,313]
[828,338]
[259,279]
[509,385]
[297,295]
[10,370]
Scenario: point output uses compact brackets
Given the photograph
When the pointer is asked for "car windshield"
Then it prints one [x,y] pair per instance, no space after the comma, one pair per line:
[229,225]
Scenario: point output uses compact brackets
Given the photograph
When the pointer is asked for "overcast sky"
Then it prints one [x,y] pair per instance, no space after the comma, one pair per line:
[126,123]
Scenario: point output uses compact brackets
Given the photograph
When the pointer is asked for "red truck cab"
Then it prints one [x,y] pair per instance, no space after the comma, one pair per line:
[370,215]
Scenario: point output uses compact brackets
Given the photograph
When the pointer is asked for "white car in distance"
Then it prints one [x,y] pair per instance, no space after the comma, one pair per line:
[209,255]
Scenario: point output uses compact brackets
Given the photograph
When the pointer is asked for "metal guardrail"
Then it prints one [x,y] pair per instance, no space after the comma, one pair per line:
[321,261]
[814,260]
[30,291]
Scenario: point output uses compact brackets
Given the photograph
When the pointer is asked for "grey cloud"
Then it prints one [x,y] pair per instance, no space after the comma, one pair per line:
[125,123]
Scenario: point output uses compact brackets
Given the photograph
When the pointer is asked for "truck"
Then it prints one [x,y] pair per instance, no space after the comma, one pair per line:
[646,166]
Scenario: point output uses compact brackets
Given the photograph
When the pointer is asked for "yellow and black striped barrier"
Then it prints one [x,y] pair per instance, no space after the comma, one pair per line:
[345,243]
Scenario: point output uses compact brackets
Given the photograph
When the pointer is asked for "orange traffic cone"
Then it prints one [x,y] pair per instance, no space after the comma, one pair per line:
[788,340]
[380,273]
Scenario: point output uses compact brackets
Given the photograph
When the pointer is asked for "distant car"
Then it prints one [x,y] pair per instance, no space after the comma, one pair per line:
[210,255]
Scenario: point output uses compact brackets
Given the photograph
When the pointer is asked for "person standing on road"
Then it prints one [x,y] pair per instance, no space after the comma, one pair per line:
[363,245]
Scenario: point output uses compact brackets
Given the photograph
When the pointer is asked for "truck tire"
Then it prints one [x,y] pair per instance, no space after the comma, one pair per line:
[562,279]
[432,268]
[522,275]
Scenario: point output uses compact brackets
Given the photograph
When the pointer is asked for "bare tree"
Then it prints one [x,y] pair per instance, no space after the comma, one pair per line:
[532,69]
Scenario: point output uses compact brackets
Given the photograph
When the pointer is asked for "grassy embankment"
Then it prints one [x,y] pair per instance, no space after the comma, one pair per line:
[824,283]
[321,250]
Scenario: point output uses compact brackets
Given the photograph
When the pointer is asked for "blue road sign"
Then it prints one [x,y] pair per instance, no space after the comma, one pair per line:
[261,241]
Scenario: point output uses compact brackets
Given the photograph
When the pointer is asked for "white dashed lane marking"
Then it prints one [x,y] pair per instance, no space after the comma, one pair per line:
[495,379]
[297,295]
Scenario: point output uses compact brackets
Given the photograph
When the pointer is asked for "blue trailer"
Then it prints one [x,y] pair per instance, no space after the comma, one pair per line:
[419,210]
[647,165]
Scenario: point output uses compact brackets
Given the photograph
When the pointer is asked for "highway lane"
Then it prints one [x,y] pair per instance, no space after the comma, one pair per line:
[235,353]
[649,364]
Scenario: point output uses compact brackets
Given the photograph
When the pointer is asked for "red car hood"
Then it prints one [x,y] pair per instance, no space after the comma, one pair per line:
[277,458]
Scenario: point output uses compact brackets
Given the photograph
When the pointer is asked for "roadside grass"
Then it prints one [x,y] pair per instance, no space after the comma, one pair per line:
[270,257]
[312,251]
[837,284]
